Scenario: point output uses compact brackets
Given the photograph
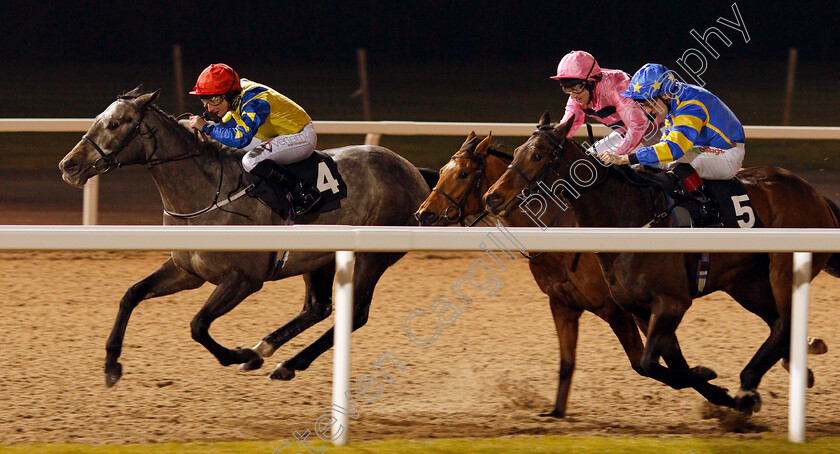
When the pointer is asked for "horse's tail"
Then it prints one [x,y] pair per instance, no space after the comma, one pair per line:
[833,265]
[430,175]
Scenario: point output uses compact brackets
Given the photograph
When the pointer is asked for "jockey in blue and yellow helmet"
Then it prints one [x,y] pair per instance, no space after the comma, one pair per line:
[698,127]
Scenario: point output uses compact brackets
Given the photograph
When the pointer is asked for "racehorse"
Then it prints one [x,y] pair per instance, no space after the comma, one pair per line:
[659,288]
[573,281]
[382,189]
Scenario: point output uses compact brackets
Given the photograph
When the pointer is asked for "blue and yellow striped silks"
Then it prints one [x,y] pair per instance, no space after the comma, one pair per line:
[262,113]
[697,118]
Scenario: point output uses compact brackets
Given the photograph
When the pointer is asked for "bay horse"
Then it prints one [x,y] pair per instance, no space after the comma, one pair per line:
[573,282]
[382,189]
[659,287]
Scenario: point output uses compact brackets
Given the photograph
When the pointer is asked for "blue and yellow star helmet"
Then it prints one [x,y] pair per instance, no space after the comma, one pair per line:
[651,80]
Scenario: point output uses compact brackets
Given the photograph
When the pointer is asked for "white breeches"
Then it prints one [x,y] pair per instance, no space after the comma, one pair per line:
[713,163]
[284,149]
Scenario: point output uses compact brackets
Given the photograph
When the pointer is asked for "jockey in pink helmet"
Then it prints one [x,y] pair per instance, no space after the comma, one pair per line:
[596,93]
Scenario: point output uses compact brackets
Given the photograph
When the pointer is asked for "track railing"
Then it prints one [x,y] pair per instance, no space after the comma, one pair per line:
[346,239]
[374,130]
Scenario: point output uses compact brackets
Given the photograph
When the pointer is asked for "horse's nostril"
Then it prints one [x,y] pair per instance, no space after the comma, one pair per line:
[493,200]
[427,217]
[67,166]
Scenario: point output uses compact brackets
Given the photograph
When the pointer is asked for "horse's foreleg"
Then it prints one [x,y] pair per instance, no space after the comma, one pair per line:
[666,314]
[674,359]
[369,268]
[165,280]
[317,306]
[566,323]
[235,287]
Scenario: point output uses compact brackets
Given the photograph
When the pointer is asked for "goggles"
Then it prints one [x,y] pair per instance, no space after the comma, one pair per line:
[574,89]
[212,101]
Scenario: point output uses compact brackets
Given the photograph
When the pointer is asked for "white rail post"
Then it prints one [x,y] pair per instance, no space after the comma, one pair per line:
[90,202]
[341,349]
[799,346]
[372,139]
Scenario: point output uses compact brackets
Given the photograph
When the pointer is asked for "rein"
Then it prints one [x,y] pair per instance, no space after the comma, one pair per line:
[110,160]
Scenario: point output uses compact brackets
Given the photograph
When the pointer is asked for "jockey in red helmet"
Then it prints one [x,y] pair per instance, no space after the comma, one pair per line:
[596,93]
[272,128]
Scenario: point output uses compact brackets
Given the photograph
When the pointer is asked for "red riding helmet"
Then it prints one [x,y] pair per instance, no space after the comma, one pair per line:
[216,79]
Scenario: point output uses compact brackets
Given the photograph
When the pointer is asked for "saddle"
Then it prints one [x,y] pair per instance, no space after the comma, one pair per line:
[722,203]
[313,185]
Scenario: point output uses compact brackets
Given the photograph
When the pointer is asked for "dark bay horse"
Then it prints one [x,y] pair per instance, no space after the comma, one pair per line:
[382,189]
[659,288]
[573,282]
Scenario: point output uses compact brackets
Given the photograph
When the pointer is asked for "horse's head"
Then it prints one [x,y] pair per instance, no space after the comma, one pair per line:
[541,153]
[111,139]
[457,193]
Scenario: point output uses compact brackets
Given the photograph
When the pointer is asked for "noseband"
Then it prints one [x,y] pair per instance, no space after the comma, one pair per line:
[475,187]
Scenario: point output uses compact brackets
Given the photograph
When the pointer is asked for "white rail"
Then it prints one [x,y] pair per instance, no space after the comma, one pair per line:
[422,128]
[375,129]
[346,238]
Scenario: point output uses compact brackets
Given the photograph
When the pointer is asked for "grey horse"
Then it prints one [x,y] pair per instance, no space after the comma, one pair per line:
[382,189]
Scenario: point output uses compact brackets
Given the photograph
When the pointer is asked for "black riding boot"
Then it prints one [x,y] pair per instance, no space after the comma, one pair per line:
[703,210]
[269,193]
[303,196]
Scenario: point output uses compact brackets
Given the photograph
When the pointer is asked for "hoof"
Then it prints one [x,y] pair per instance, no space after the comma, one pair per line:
[556,414]
[816,346]
[281,373]
[254,364]
[810,379]
[748,402]
[248,359]
[703,374]
[113,373]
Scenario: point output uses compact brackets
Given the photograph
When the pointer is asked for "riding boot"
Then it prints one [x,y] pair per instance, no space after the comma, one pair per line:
[303,196]
[270,189]
[703,208]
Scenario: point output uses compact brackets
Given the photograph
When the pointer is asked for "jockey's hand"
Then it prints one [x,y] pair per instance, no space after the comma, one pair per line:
[612,158]
[197,122]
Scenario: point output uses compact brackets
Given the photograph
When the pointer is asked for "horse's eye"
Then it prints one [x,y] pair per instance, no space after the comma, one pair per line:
[113,125]
[536,157]
[462,175]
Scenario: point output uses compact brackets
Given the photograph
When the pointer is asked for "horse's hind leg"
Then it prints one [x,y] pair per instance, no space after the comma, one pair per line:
[566,323]
[757,293]
[166,280]
[369,268]
[317,306]
[235,287]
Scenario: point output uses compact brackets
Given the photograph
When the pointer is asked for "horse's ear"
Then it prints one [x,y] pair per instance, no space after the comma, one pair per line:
[562,129]
[481,149]
[545,120]
[144,101]
[469,137]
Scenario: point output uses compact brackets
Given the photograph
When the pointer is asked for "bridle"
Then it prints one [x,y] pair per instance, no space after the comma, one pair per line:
[550,166]
[108,160]
[475,186]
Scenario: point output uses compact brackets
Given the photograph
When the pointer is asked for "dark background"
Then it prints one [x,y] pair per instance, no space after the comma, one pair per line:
[426,60]
[402,31]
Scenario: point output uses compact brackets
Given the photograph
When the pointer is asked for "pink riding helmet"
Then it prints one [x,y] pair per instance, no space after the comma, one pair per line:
[577,64]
